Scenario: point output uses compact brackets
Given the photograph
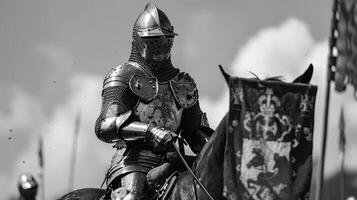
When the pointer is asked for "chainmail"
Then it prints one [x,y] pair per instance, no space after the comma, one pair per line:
[162,70]
[122,96]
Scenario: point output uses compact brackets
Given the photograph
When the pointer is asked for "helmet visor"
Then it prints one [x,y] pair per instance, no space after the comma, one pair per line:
[156,48]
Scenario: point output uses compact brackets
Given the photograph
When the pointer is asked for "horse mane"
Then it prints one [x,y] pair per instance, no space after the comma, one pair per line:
[272,78]
[303,78]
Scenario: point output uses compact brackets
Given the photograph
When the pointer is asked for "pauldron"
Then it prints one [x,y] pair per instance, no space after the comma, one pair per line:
[184,89]
[121,74]
[146,88]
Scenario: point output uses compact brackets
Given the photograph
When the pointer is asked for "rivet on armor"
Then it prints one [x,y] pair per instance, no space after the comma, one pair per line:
[137,85]
[150,82]
[154,87]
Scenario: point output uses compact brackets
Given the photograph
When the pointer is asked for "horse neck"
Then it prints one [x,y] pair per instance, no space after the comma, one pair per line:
[209,163]
[212,153]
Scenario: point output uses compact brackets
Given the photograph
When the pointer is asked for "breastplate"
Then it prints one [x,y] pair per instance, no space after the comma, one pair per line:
[162,110]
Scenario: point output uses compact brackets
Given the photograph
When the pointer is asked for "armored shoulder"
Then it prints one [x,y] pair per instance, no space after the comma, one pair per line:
[141,83]
[120,75]
[184,90]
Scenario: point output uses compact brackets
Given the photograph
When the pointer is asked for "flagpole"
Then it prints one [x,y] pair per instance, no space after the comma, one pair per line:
[74,152]
[330,77]
[42,184]
[342,144]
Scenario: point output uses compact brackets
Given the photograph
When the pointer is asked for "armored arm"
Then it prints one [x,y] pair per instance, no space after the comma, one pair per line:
[117,102]
[195,127]
[114,122]
[196,130]
[148,132]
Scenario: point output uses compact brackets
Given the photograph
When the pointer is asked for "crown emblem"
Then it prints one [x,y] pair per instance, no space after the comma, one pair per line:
[268,103]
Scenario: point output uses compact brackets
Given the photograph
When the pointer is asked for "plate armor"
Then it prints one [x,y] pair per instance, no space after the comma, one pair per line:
[146,101]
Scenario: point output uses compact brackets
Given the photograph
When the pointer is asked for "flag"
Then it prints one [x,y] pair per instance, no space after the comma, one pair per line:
[268,150]
[346,45]
[40,152]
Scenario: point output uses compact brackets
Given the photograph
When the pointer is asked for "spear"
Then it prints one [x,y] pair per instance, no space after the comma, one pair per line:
[74,151]
[41,163]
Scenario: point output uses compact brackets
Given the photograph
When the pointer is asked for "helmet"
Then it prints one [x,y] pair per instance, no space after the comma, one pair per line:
[153,22]
[153,34]
[27,186]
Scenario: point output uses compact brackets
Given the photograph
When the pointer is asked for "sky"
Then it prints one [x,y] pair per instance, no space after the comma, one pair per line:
[54,56]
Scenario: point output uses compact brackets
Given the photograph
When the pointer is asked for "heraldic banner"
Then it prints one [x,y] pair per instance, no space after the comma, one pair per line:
[346,65]
[268,152]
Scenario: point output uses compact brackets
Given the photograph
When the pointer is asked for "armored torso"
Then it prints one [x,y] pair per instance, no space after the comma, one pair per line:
[159,102]
[162,103]
[163,110]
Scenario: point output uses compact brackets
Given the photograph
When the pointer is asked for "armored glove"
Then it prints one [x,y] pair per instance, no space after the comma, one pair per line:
[160,137]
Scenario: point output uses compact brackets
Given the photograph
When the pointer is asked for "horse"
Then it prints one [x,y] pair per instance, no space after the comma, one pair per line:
[209,167]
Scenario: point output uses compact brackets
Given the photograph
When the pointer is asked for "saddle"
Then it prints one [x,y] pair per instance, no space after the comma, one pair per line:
[164,192]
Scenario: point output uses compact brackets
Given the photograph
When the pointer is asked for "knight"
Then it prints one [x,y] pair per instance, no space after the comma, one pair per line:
[146,104]
[27,186]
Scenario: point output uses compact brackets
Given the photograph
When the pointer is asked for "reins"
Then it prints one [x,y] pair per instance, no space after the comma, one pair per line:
[191,172]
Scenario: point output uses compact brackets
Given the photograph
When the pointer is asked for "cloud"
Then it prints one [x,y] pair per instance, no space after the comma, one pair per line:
[57,57]
[215,110]
[80,94]
[275,51]
[18,125]
[93,156]
[23,111]
[272,51]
